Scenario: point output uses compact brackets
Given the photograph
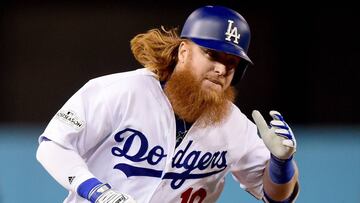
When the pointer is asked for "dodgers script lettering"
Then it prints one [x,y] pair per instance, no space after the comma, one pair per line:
[150,157]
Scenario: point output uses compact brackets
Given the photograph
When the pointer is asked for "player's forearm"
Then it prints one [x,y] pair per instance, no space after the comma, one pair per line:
[64,165]
[71,171]
[280,191]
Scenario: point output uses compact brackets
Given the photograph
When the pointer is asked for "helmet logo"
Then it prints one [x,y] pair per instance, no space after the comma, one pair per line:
[232,32]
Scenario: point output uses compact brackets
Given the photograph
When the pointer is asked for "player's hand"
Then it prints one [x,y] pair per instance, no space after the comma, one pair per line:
[278,138]
[104,194]
[110,196]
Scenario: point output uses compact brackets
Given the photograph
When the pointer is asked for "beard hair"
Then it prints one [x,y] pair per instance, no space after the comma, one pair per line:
[191,102]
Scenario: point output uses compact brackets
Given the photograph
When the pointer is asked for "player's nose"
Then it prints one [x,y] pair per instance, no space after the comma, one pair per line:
[219,68]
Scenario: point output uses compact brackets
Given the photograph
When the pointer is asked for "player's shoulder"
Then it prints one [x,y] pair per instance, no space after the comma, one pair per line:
[134,76]
[236,113]
[237,117]
[119,83]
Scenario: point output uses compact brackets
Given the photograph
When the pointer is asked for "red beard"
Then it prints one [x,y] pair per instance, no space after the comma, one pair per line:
[190,102]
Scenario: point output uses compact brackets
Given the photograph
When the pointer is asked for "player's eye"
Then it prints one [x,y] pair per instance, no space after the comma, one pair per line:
[212,55]
[232,64]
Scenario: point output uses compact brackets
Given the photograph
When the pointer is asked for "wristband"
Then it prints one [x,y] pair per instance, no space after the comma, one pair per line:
[281,171]
[88,186]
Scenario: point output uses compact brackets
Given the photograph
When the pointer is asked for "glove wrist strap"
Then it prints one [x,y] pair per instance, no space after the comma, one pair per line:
[91,189]
[97,191]
[281,171]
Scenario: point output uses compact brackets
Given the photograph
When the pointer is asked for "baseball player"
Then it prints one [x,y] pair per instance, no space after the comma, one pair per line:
[169,132]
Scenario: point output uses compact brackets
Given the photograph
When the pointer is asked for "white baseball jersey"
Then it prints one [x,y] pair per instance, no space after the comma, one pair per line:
[123,126]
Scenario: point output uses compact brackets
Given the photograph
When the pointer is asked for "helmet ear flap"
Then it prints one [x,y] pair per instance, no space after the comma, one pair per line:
[240,71]
[221,29]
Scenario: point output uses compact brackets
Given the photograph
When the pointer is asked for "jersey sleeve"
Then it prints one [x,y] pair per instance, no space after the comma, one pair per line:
[82,122]
[249,170]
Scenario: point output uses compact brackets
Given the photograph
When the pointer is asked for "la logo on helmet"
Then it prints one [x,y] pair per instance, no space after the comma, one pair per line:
[232,32]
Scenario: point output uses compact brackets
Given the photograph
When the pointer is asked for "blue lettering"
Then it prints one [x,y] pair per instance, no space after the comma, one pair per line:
[191,164]
[213,159]
[189,161]
[158,152]
[222,159]
[180,153]
[154,155]
[204,161]
[128,144]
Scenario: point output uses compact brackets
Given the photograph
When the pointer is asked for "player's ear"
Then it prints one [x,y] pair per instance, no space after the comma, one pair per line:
[183,51]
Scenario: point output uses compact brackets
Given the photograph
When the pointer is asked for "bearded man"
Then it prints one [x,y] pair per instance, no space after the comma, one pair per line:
[170,132]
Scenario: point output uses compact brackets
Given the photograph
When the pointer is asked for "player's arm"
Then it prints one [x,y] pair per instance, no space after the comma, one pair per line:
[281,173]
[70,170]
[281,180]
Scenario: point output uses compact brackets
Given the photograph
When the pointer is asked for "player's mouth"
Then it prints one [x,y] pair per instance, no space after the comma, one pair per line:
[215,81]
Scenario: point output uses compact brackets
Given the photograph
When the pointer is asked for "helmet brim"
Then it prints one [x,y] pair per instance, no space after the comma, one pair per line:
[222,47]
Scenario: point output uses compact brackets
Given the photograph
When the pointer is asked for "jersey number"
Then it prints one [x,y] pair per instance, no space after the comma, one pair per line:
[189,197]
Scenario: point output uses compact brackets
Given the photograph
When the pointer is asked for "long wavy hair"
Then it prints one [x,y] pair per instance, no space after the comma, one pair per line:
[157,50]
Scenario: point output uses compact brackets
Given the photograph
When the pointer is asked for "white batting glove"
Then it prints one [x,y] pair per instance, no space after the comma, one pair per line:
[279,138]
[103,194]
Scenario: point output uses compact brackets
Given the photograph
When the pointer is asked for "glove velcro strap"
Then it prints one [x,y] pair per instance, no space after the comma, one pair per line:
[111,197]
[97,191]
[281,171]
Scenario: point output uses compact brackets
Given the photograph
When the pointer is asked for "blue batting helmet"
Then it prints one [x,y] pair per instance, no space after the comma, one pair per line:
[220,29]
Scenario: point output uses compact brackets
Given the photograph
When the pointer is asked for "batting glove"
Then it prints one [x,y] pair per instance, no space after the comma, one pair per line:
[278,138]
[104,194]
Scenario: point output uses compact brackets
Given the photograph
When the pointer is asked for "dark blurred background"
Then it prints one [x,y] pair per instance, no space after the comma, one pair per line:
[306,57]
